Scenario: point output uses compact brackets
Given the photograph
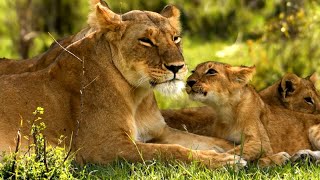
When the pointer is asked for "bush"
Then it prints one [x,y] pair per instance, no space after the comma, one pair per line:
[289,44]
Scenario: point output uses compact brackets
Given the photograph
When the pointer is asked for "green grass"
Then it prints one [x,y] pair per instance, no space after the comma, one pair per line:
[176,170]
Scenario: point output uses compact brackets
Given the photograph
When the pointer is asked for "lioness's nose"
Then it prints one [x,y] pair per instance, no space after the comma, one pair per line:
[174,68]
[191,82]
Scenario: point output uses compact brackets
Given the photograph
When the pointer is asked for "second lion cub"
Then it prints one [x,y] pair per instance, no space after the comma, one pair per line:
[259,130]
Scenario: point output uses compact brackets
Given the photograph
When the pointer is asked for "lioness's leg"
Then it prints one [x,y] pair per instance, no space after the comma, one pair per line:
[314,136]
[139,152]
[193,141]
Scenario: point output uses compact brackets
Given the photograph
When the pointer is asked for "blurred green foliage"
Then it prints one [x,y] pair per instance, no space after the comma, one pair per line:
[38,160]
[277,36]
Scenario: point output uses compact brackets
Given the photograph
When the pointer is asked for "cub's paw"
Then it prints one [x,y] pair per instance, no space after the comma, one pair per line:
[306,155]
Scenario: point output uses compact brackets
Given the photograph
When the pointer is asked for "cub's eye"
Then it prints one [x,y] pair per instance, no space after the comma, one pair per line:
[176,39]
[211,72]
[146,42]
[309,100]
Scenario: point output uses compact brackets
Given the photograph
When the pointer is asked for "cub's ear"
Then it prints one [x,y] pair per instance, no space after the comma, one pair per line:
[313,78]
[173,14]
[288,84]
[242,74]
[101,17]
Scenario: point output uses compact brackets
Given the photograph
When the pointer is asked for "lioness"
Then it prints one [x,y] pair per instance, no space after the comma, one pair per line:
[243,117]
[104,85]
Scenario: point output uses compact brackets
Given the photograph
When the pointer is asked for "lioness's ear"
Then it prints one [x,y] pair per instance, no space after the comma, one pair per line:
[288,84]
[93,3]
[102,17]
[243,74]
[313,78]
[105,4]
[173,14]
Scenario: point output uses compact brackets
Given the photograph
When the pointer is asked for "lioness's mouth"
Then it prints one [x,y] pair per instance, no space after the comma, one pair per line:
[155,83]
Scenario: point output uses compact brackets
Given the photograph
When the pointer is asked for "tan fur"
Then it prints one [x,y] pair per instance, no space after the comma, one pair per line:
[297,94]
[119,113]
[242,116]
[301,96]
[196,119]
[294,93]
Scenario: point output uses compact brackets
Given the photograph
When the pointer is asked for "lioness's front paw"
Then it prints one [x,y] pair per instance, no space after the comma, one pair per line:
[306,155]
[220,159]
[275,159]
[281,158]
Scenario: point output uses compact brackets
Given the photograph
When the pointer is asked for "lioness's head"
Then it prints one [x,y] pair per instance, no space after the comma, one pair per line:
[214,82]
[299,94]
[145,45]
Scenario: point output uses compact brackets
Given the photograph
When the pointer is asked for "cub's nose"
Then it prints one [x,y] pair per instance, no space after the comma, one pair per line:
[191,82]
[174,68]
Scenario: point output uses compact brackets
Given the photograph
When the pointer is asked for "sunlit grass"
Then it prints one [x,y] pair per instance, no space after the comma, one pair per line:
[175,170]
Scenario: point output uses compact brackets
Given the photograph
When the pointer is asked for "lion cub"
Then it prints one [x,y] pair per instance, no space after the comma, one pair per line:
[297,94]
[258,129]
[294,93]
[290,92]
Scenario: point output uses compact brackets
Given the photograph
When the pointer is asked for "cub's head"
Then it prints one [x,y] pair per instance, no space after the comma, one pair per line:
[217,83]
[299,94]
[145,46]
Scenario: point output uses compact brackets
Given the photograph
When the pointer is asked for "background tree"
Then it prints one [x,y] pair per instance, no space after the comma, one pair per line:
[277,36]
[30,20]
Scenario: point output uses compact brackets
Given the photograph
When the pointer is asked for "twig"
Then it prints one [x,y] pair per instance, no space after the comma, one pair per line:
[45,153]
[73,140]
[81,97]
[34,135]
[70,145]
[135,144]
[90,82]
[16,151]
[64,48]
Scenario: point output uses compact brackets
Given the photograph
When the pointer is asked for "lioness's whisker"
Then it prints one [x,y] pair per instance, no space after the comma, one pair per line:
[140,81]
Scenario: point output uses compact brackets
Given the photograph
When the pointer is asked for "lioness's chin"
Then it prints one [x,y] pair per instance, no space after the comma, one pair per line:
[170,88]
